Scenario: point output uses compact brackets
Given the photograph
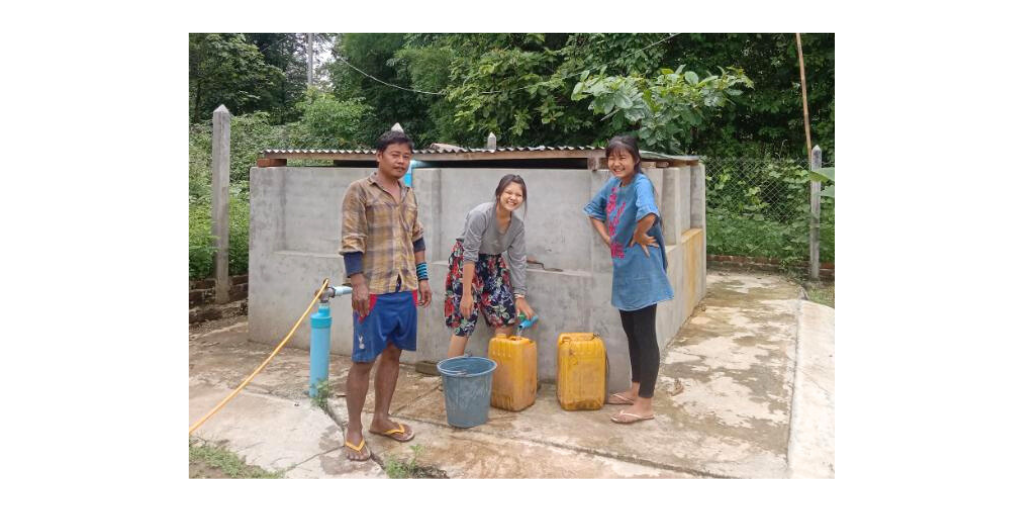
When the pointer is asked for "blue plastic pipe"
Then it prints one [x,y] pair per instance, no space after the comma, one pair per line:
[319,346]
[527,323]
[320,339]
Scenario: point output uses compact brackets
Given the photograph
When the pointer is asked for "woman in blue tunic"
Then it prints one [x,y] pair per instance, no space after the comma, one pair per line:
[625,214]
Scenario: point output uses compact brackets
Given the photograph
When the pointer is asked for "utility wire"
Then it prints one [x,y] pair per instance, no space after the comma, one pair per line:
[349,64]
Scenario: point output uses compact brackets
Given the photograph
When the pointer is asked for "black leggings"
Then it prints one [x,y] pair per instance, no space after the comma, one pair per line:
[644,356]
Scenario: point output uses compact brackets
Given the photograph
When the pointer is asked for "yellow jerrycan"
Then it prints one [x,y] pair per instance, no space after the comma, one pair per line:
[581,371]
[514,385]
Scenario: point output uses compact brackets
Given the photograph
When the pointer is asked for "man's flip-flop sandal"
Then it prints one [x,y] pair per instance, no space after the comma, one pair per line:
[359,450]
[632,418]
[396,434]
[622,400]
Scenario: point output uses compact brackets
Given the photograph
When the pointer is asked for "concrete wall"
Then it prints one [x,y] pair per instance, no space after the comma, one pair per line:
[295,234]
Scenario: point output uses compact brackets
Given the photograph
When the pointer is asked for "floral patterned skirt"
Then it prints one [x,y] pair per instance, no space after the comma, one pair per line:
[492,293]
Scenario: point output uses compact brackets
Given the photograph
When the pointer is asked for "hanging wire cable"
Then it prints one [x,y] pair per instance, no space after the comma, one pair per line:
[659,42]
[538,84]
[342,59]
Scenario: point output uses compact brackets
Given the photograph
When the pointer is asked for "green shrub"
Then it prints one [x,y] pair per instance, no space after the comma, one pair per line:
[742,235]
[760,208]
[200,242]
[201,245]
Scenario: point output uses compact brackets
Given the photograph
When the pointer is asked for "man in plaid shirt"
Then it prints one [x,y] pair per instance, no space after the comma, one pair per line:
[382,243]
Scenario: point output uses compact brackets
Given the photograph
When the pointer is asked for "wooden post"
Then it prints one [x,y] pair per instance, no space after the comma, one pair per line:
[815,212]
[221,175]
[815,185]
[803,92]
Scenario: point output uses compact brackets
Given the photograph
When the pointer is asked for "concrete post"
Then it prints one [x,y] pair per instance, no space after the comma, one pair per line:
[698,214]
[671,203]
[815,213]
[698,219]
[492,142]
[221,175]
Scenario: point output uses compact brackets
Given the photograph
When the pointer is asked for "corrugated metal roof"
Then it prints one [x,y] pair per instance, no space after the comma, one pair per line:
[293,151]
[471,154]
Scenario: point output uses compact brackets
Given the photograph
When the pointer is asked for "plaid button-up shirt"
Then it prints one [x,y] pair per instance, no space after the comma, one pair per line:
[384,231]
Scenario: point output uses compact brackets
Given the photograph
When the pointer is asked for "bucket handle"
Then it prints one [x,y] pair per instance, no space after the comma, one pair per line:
[454,373]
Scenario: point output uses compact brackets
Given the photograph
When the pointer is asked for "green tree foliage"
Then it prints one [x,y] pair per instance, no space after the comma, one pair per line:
[287,53]
[263,72]
[374,54]
[520,86]
[515,85]
[327,121]
[769,120]
[665,110]
[226,69]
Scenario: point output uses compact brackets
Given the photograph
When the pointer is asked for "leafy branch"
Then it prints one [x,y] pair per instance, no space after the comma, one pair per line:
[664,109]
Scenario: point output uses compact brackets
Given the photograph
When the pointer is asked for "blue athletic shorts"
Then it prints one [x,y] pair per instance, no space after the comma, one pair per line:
[392,318]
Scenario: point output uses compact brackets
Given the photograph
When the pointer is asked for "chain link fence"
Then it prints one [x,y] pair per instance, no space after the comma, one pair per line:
[760,208]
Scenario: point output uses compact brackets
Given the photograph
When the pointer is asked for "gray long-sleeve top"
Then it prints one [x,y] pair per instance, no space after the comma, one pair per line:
[481,236]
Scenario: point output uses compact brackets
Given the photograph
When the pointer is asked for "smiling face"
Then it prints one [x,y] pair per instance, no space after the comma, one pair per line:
[394,160]
[622,164]
[511,198]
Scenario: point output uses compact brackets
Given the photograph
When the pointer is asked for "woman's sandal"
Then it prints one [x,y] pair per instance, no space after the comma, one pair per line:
[620,399]
[621,417]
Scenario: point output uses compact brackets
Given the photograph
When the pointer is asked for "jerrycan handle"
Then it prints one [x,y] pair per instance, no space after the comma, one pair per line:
[567,337]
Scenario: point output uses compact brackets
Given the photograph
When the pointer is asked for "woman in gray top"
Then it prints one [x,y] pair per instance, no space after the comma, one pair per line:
[497,291]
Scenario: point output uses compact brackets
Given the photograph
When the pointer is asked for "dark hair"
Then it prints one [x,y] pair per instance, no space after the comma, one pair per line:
[393,137]
[627,142]
[507,180]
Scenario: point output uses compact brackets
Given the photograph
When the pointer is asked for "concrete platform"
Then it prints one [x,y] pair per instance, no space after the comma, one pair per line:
[725,405]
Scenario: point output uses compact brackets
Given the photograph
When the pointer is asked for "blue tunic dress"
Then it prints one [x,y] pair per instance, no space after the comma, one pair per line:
[637,280]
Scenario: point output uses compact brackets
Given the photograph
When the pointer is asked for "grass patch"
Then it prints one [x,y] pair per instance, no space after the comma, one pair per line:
[207,460]
[323,392]
[398,468]
[822,293]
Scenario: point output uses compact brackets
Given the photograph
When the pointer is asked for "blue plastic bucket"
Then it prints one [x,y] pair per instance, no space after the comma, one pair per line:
[467,389]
